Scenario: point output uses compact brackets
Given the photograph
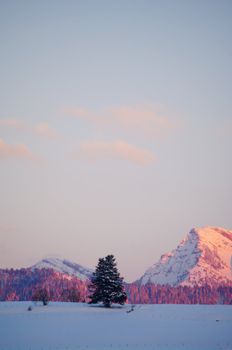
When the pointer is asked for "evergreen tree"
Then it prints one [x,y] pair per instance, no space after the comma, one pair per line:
[41,295]
[106,284]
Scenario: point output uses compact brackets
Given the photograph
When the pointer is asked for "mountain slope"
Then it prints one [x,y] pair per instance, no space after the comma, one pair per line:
[64,266]
[203,257]
[22,284]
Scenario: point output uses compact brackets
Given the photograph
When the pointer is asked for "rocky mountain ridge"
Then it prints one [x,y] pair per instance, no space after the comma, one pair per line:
[203,257]
[64,266]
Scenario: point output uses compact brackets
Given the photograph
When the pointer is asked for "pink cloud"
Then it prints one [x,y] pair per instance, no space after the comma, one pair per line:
[145,120]
[78,112]
[41,129]
[44,130]
[11,123]
[20,151]
[115,150]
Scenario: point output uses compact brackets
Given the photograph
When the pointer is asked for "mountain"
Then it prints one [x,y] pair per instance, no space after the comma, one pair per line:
[22,284]
[203,257]
[65,267]
[198,271]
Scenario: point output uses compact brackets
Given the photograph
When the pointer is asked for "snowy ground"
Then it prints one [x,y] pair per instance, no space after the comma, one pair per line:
[70,326]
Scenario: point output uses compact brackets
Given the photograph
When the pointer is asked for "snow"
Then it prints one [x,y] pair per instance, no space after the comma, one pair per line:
[215,244]
[64,266]
[204,256]
[174,267]
[79,326]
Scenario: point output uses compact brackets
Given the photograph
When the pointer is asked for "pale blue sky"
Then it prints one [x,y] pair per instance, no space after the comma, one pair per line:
[124,112]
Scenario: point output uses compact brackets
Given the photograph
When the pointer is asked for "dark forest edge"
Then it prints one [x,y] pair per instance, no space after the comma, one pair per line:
[22,285]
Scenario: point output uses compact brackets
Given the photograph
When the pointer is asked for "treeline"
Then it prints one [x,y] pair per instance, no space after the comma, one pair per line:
[24,284]
[158,294]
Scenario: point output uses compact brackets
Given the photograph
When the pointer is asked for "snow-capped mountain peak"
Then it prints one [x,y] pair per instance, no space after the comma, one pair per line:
[64,266]
[203,257]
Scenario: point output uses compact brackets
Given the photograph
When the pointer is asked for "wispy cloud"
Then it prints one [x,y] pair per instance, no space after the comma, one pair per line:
[42,129]
[45,130]
[11,123]
[19,151]
[79,112]
[115,150]
[145,119]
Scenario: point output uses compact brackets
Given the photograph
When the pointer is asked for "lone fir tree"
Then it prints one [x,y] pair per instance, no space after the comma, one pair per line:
[106,284]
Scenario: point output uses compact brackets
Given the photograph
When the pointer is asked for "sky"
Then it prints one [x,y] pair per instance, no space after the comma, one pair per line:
[115,128]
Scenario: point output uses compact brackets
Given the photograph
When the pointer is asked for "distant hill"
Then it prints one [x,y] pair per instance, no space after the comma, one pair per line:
[64,266]
[22,284]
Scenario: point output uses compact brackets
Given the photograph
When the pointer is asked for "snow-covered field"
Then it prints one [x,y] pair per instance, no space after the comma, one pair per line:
[61,326]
